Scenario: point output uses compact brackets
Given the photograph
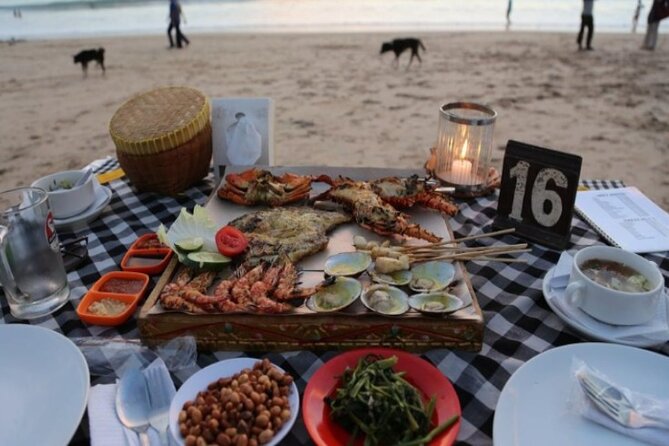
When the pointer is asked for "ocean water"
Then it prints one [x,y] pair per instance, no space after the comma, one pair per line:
[82,18]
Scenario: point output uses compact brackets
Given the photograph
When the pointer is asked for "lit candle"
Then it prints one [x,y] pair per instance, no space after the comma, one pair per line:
[461,171]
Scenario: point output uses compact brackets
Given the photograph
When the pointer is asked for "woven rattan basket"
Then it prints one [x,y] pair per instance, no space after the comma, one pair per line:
[163,139]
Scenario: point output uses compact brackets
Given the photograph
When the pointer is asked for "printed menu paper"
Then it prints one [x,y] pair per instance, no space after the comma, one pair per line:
[626,218]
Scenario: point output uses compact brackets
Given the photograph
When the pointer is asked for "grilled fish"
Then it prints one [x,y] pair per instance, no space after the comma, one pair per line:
[294,232]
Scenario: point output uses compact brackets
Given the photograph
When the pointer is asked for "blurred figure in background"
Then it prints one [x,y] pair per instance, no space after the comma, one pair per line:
[175,21]
[508,14]
[587,21]
[637,13]
[659,11]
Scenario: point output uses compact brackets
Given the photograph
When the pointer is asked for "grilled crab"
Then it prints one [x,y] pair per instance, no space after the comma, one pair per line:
[370,211]
[406,192]
[257,186]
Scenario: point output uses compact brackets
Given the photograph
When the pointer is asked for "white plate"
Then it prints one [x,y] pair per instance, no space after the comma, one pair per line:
[589,333]
[102,197]
[533,406]
[200,380]
[44,385]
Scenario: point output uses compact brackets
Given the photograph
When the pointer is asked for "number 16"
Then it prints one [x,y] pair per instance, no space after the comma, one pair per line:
[539,195]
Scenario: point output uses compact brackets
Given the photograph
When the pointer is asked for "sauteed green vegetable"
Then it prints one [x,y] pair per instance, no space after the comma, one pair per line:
[375,401]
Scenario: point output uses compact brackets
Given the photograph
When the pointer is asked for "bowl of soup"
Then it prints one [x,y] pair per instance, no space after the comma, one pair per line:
[615,286]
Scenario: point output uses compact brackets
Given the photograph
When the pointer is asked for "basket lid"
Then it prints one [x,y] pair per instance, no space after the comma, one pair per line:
[159,120]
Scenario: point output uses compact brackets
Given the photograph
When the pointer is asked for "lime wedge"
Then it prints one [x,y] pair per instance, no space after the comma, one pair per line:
[190,244]
[210,261]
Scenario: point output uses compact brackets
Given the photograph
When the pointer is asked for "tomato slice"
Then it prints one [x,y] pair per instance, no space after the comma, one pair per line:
[231,241]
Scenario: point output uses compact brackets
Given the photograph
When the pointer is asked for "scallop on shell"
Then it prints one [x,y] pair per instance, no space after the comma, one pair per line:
[397,278]
[431,276]
[347,263]
[336,296]
[435,303]
[386,299]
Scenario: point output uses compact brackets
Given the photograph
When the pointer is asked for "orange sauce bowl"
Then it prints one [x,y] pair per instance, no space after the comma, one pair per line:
[146,257]
[121,286]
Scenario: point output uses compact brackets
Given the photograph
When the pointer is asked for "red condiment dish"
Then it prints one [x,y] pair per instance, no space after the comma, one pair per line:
[124,286]
[147,255]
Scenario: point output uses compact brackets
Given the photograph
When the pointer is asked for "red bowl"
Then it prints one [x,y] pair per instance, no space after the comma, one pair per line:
[420,373]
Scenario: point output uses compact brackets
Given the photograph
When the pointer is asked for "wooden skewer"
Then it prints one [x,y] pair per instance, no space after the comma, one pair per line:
[474,249]
[467,255]
[458,240]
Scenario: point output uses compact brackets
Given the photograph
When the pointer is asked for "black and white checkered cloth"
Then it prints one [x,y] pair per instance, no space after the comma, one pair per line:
[518,323]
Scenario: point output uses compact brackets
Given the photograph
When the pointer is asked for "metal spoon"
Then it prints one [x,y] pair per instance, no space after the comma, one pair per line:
[132,403]
[84,177]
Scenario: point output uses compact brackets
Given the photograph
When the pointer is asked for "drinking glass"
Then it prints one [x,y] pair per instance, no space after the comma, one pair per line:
[31,268]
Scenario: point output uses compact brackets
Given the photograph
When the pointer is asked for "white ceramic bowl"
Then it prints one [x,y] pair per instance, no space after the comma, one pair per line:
[228,367]
[66,203]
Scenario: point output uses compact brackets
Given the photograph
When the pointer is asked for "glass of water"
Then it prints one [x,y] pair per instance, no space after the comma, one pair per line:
[31,268]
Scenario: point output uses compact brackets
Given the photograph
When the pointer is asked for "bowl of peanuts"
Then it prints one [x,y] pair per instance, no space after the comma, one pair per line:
[235,402]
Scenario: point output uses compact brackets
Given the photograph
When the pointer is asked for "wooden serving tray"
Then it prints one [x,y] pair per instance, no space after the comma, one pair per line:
[305,330]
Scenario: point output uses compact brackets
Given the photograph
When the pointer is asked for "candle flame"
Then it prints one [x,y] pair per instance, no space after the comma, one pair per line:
[463,151]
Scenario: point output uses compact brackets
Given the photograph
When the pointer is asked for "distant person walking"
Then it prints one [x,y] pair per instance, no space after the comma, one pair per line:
[508,14]
[175,21]
[587,21]
[637,14]
[659,11]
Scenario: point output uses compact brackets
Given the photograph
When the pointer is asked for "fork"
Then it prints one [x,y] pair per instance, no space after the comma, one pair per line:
[616,405]
[161,391]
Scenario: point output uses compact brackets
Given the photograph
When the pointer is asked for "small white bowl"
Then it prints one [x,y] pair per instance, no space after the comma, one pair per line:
[66,203]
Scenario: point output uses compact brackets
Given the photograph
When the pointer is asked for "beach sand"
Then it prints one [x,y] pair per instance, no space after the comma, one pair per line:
[339,103]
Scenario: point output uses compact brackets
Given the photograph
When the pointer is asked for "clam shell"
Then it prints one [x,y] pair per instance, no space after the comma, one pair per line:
[398,278]
[347,263]
[431,276]
[337,296]
[398,300]
[435,303]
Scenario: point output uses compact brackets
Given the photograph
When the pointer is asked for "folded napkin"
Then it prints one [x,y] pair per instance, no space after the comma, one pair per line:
[650,435]
[646,404]
[105,427]
[657,329]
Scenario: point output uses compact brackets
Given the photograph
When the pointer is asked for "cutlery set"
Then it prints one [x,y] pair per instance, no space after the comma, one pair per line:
[143,400]
[613,403]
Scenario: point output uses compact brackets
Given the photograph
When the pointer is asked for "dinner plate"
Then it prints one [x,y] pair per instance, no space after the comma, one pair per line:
[423,375]
[593,334]
[533,408]
[44,383]
[228,367]
[102,198]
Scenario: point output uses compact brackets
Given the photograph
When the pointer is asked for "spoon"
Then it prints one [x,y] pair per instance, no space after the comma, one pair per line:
[132,403]
[84,177]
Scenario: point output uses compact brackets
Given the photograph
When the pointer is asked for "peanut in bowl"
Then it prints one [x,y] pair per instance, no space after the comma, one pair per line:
[235,401]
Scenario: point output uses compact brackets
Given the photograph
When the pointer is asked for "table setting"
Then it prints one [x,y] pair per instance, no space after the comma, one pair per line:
[233,304]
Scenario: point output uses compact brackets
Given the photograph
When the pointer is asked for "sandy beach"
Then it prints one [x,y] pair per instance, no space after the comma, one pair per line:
[339,103]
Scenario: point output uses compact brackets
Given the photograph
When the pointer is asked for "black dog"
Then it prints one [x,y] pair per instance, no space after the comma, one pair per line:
[398,46]
[86,56]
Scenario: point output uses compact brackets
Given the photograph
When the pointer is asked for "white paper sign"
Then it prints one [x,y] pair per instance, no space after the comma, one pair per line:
[242,132]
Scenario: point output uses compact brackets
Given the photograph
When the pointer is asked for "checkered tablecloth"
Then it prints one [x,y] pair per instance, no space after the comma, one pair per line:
[518,323]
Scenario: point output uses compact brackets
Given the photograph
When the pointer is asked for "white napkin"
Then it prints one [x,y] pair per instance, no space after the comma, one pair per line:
[105,427]
[657,329]
[650,435]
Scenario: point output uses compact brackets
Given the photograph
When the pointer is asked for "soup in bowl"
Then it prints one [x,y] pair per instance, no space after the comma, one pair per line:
[615,286]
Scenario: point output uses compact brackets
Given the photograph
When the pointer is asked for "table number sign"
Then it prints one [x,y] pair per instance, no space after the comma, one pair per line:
[538,193]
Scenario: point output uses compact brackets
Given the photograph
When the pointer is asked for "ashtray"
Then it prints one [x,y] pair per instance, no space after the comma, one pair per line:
[113,298]
[147,255]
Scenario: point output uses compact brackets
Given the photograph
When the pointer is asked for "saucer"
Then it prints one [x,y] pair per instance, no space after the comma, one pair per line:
[102,197]
[590,331]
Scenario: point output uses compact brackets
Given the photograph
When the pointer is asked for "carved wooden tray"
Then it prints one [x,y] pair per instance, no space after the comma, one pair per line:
[306,330]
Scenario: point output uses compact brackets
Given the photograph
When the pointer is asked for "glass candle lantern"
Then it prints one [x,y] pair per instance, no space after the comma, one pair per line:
[464,145]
